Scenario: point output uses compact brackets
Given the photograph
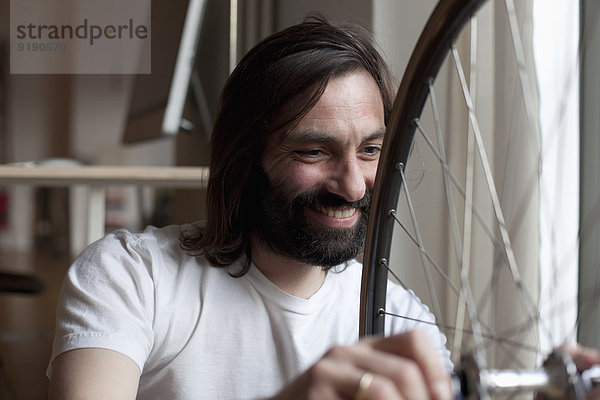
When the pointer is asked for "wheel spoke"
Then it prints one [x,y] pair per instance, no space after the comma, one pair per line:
[424,260]
[471,221]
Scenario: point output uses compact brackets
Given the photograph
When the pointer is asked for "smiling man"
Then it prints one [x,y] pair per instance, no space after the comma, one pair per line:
[318,179]
[261,300]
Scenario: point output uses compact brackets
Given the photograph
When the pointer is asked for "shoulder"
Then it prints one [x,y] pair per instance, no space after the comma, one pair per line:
[412,313]
[147,240]
[405,301]
[138,255]
[150,242]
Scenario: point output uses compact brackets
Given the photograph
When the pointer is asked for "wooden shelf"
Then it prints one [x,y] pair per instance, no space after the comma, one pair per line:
[180,177]
[87,185]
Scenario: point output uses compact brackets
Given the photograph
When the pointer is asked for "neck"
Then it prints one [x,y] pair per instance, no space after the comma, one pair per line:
[293,277]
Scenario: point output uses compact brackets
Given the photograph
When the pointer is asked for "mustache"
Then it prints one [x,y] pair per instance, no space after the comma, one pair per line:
[326,199]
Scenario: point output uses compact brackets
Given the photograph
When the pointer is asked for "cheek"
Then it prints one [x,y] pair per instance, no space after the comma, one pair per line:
[301,177]
[370,171]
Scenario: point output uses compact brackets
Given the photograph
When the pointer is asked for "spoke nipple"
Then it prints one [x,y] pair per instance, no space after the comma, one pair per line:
[381,312]
[519,284]
[400,166]
[392,213]
[383,263]
[416,121]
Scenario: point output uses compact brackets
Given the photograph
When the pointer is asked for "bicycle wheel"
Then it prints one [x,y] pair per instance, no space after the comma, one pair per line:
[477,172]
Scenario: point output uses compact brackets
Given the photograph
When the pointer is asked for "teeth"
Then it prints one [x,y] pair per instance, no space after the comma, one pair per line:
[336,213]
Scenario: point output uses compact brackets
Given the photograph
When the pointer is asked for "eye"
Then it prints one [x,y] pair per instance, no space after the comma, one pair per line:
[371,150]
[309,153]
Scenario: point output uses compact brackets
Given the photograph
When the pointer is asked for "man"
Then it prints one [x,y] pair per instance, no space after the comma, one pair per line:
[262,301]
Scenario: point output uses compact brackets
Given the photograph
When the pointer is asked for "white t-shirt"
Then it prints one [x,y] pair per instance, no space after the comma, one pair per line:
[195,331]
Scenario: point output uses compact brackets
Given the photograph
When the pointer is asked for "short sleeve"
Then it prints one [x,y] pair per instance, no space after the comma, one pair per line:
[107,300]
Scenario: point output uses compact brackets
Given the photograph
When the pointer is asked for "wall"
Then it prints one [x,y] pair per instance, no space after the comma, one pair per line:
[397,25]
[291,12]
[37,127]
[590,171]
[83,117]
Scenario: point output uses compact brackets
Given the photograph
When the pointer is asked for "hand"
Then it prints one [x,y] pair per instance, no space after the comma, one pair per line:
[584,358]
[403,366]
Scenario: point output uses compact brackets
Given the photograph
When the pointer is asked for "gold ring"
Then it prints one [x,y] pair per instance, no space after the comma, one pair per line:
[363,385]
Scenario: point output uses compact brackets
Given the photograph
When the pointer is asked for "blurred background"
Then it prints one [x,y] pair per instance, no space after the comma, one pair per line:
[70,120]
[76,120]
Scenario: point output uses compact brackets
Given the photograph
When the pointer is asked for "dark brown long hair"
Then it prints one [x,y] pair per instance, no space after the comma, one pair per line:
[293,65]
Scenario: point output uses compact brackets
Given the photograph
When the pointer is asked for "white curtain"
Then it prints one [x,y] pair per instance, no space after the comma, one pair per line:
[556,48]
[516,133]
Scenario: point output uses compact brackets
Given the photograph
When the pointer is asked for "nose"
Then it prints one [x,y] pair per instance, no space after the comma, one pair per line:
[347,179]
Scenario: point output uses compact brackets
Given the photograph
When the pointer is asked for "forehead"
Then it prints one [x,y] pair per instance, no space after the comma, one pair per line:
[350,103]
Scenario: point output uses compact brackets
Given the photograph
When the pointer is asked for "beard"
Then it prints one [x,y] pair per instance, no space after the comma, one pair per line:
[281,220]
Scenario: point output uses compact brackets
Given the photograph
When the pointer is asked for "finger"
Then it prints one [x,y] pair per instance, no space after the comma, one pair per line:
[376,387]
[359,372]
[584,357]
[404,374]
[390,369]
[415,346]
[334,378]
[593,394]
[394,375]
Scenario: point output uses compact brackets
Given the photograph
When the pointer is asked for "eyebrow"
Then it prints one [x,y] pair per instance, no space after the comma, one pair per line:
[310,136]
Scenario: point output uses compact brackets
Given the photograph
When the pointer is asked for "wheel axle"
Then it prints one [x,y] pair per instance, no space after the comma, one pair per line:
[558,378]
